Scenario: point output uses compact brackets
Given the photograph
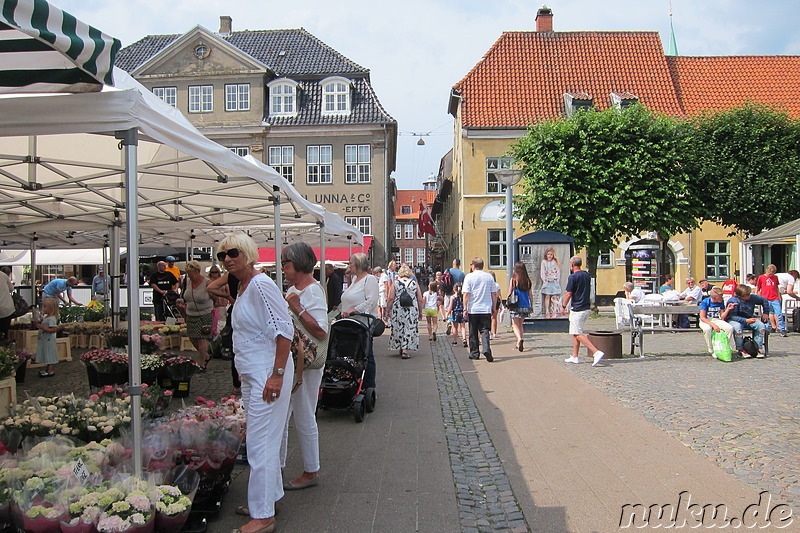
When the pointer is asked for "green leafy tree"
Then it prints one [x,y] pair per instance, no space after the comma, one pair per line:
[600,176]
[747,162]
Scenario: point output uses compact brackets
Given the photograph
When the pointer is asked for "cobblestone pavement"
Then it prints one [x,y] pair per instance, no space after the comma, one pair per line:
[485,499]
[743,415]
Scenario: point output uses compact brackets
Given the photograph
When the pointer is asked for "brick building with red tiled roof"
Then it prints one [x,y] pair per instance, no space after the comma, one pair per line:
[528,77]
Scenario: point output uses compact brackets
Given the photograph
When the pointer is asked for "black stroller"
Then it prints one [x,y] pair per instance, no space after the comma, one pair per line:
[170,303]
[350,341]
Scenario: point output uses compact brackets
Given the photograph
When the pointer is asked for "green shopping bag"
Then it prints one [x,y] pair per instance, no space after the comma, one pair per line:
[719,343]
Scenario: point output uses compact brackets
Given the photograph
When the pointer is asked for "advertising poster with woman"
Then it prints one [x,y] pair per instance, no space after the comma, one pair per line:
[548,267]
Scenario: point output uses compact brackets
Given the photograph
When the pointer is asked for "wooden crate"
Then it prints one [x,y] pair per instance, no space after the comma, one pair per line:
[8,395]
[186,345]
[96,341]
[63,349]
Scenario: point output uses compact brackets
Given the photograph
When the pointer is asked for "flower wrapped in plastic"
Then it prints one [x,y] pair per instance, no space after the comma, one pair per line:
[174,498]
[132,512]
[38,502]
[106,361]
[180,368]
[151,342]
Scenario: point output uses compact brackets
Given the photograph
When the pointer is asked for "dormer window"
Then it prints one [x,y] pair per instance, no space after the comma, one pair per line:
[336,96]
[623,99]
[282,97]
[577,101]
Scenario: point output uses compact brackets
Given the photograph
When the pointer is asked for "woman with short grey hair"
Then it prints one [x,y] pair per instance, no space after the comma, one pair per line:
[309,307]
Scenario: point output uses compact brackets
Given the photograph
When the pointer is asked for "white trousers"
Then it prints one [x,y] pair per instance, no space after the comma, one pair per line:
[265,422]
[724,326]
[304,406]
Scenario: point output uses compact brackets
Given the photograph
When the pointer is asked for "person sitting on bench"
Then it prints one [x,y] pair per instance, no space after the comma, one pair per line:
[740,315]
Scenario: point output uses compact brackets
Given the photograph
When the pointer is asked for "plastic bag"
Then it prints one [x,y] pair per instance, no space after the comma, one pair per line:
[720,345]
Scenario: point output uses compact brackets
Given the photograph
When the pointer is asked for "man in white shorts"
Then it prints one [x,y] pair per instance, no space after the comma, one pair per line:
[579,286]
[383,281]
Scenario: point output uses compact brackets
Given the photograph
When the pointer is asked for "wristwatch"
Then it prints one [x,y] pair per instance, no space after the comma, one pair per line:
[279,371]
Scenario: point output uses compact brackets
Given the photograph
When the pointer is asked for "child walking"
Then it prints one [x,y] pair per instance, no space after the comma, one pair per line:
[455,314]
[431,299]
[46,348]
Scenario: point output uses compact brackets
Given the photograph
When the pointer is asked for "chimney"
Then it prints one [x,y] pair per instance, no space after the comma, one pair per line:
[225,25]
[544,19]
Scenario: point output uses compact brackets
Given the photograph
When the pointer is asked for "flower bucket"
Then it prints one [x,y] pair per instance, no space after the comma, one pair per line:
[165,380]
[80,527]
[172,522]
[20,375]
[111,378]
[150,376]
[41,524]
[91,373]
[182,388]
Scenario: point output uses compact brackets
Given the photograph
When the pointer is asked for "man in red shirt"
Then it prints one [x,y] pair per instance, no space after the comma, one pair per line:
[767,286]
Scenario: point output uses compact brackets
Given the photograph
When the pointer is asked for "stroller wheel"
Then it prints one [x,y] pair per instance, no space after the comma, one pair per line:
[359,410]
[369,399]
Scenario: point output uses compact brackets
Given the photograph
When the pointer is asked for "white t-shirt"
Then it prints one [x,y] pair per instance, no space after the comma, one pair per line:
[361,296]
[312,298]
[431,300]
[259,317]
[784,280]
[480,285]
[384,279]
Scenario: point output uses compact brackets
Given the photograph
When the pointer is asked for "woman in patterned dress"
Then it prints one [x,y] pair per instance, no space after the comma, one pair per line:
[404,320]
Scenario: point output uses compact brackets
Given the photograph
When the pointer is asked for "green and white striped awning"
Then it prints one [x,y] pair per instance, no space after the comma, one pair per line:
[45,49]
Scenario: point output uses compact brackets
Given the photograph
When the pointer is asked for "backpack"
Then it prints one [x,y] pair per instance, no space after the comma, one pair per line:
[405,297]
[749,346]
[446,283]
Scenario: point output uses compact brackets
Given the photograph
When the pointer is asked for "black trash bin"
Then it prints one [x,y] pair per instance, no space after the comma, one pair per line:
[609,342]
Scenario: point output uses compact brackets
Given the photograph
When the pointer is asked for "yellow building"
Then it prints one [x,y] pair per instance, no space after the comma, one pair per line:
[528,77]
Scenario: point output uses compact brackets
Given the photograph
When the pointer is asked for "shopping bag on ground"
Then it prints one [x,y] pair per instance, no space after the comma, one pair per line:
[719,343]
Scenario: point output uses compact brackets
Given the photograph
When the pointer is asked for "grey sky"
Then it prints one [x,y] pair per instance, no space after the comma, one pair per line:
[418,49]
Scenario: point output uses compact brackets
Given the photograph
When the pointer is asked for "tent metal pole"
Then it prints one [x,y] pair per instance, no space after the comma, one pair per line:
[34,296]
[276,200]
[322,273]
[130,140]
[114,282]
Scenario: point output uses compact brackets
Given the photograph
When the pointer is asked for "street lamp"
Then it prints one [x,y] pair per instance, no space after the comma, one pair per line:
[509,177]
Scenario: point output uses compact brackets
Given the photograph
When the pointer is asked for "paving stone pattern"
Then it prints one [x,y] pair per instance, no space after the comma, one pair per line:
[485,499]
[743,415]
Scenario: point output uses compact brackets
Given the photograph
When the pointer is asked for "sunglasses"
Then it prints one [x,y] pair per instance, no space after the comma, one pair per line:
[233,253]
[284,261]
[214,272]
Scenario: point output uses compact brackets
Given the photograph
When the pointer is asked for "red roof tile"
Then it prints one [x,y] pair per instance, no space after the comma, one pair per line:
[723,82]
[412,198]
[524,75]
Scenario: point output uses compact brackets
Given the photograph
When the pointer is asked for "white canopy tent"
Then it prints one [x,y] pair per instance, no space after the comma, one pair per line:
[60,180]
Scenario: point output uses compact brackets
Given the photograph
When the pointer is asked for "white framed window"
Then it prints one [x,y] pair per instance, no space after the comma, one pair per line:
[201,98]
[605,259]
[335,96]
[409,231]
[364,224]
[282,97]
[241,151]
[398,231]
[493,164]
[167,94]
[319,164]
[497,248]
[421,256]
[281,158]
[357,163]
[718,259]
[409,256]
[237,97]
[405,209]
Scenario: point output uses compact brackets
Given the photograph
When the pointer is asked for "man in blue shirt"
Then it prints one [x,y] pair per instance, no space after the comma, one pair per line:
[713,313]
[741,307]
[578,291]
[56,288]
[100,286]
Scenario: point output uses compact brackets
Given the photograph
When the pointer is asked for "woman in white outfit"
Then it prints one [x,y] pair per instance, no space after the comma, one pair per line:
[308,304]
[361,296]
[262,336]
